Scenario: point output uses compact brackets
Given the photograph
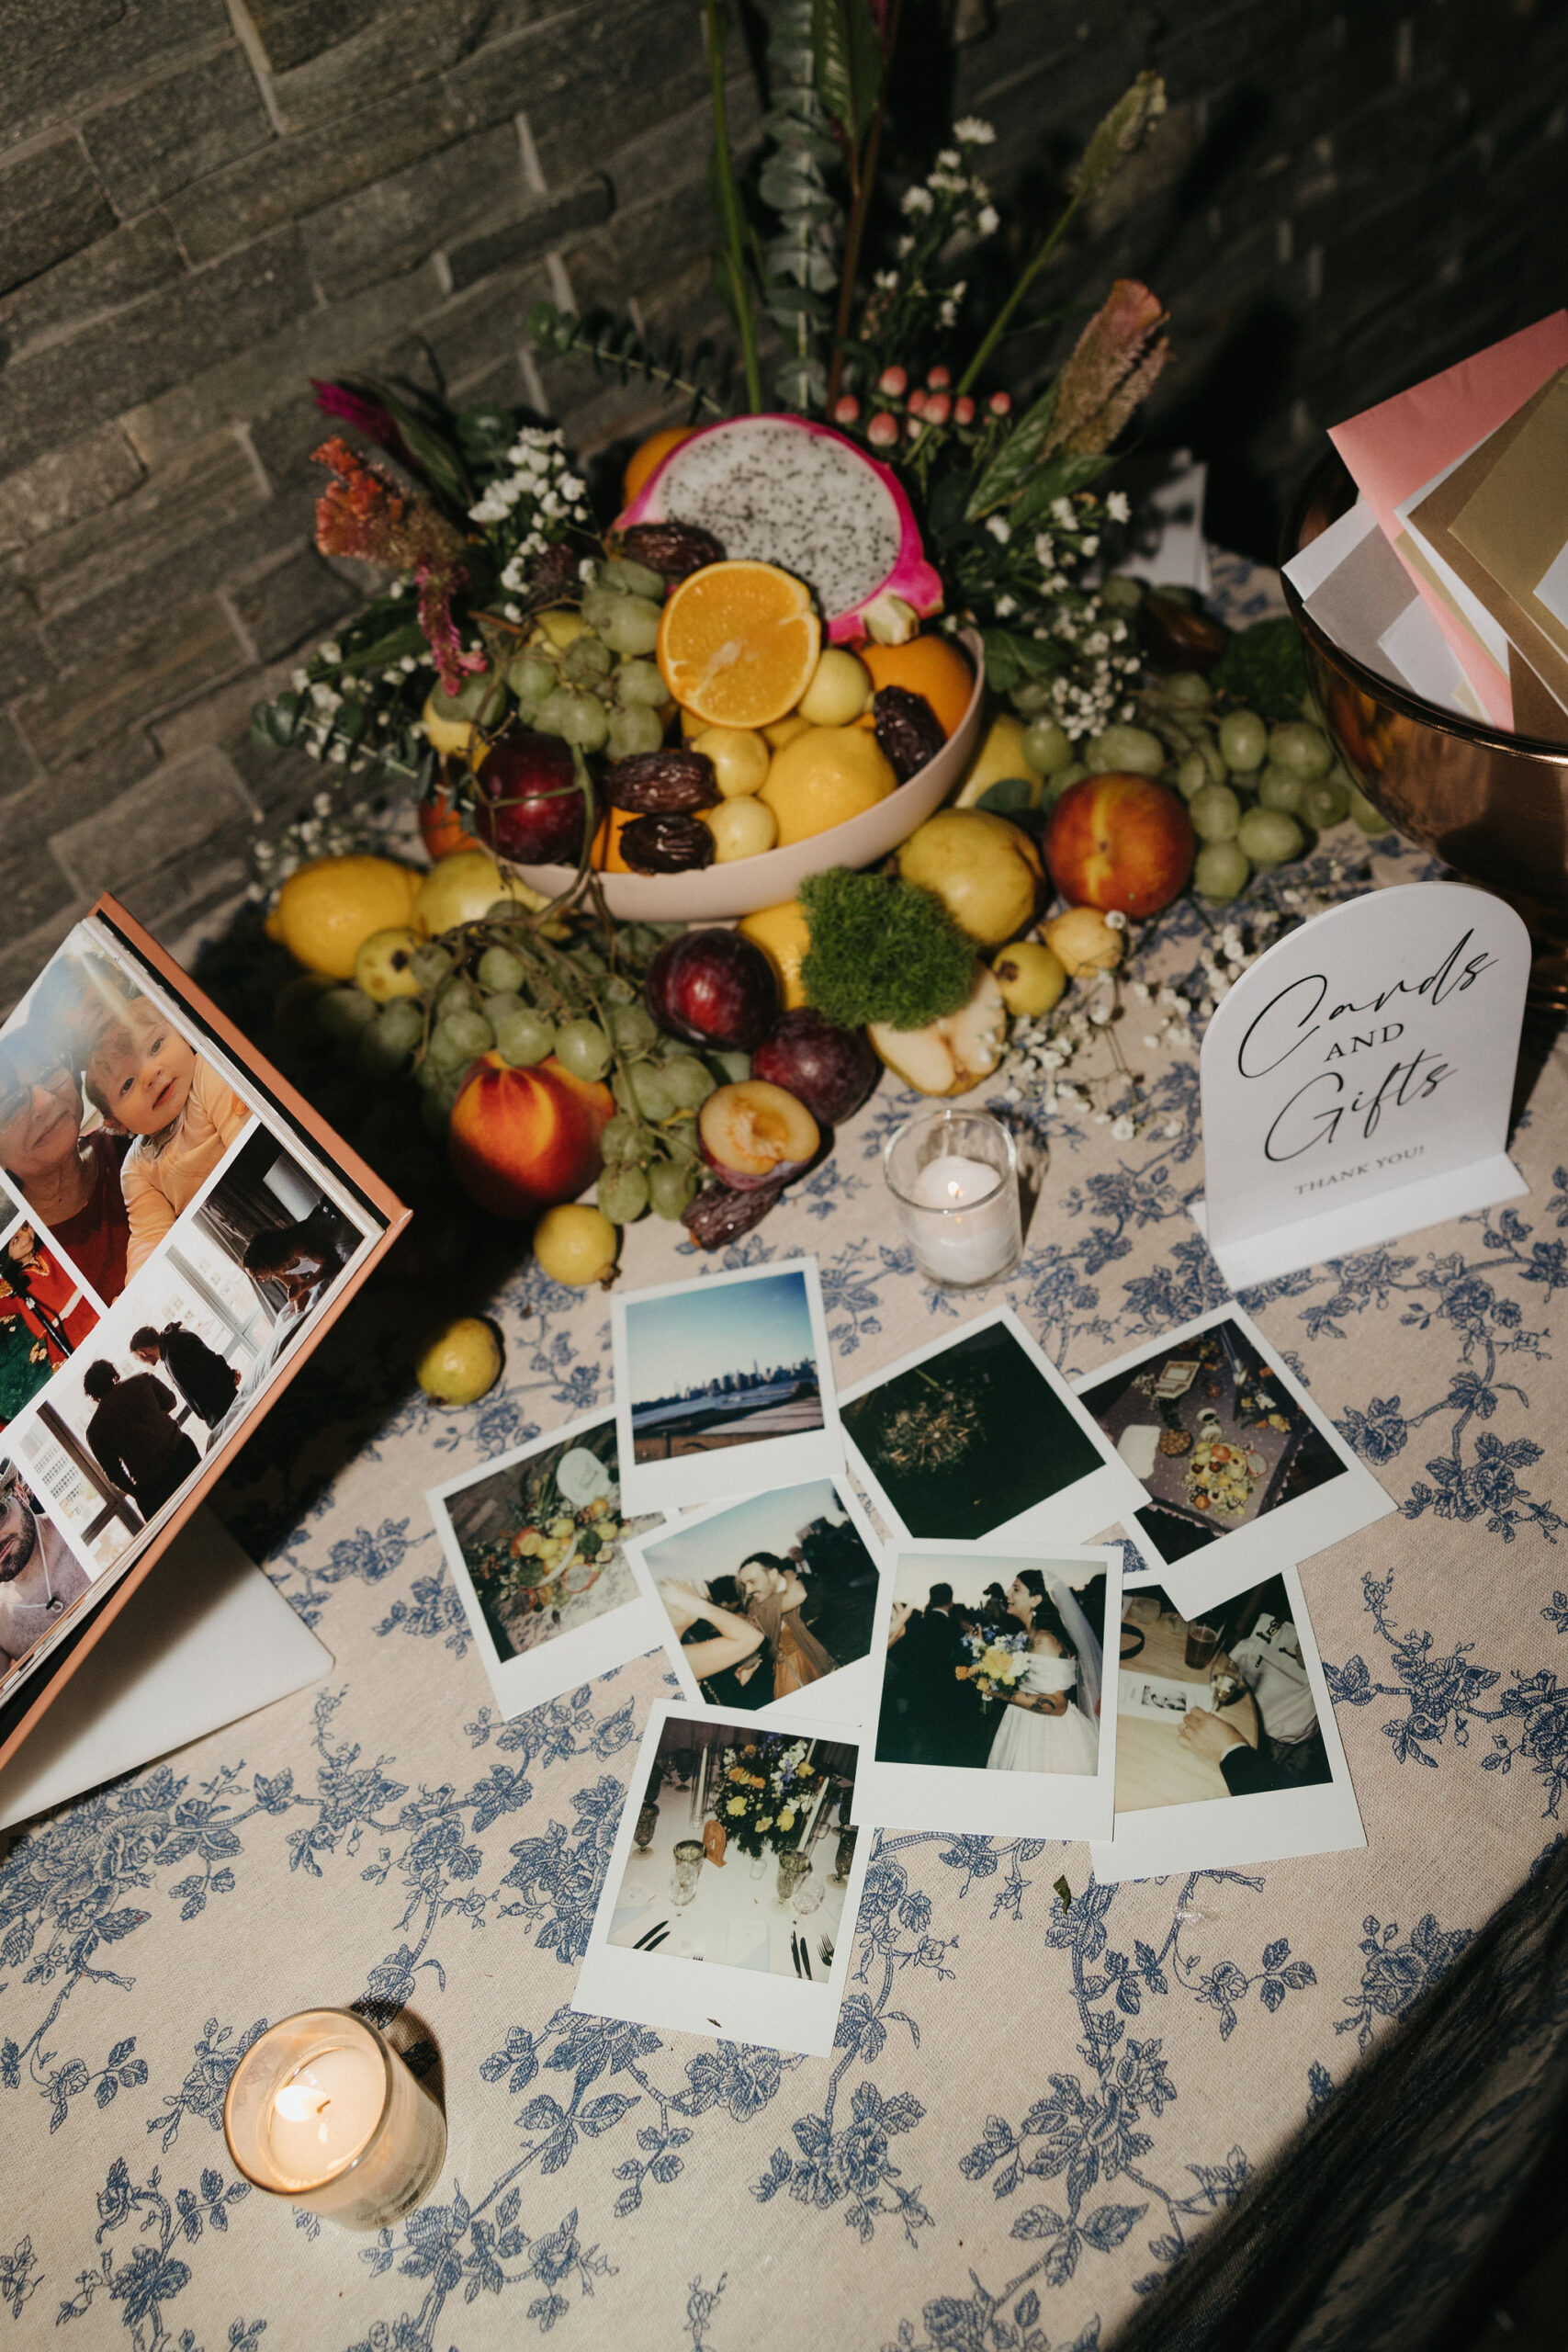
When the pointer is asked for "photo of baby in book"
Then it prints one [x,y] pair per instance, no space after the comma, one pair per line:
[145,1077]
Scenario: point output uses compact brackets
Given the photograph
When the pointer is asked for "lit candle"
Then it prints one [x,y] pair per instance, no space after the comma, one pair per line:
[955,1176]
[321,2110]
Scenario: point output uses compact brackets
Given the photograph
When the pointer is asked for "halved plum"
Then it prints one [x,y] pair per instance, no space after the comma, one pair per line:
[753,1133]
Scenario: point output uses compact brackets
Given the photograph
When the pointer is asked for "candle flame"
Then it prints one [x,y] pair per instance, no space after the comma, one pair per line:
[955,1191]
[297,2102]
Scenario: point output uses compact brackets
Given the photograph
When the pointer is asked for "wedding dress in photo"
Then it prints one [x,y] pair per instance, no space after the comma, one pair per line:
[1028,1742]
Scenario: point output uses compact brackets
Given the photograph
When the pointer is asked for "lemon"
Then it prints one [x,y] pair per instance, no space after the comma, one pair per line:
[783,935]
[823,778]
[839,690]
[444,734]
[575,1243]
[327,911]
[463,886]
[460,1363]
[785,730]
[561,624]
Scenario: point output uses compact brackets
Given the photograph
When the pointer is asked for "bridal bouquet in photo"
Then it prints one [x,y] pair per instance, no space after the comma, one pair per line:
[998,1661]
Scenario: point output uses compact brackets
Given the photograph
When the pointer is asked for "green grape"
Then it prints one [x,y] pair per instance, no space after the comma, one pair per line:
[1031,697]
[586,724]
[1243,739]
[1303,749]
[1215,812]
[690,1082]
[435,1111]
[632,730]
[1222,872]
[586,659]
[427,1074]
[670,1188]
[383,1048]
[588,959]
[736,1066]
[401,1023]
[679,1137]
[1125,751]
[481,698]
[599,603]
[622,1138]
[1047,746]
[524,1038]
[503,910]
[1323,802]
[505,1007]
[554,715]
[1209,752]
[1189,687]
[1366,814]
[1192,774]
[530,676]
[456,995]
[1122,595]
[632,628]
[639,683]
[1280,788]
[633,1028]
[631,579]
[1270,836]
[582,1049]
[652,1092]
[502,972]
[469,1030]
[1063,779]
[449,1049]
[623,1193]
[344,1013]
[430,964]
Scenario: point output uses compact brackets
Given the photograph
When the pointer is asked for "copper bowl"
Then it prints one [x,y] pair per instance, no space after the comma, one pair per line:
[1495,807]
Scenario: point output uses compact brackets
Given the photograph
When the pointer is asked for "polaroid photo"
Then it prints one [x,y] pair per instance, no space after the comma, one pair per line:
[747,1937]
[995,1713]
[723,1385]
[1227,1748]
[41,1575]
[45,1315]
[535,1542]
[1238,1471]
[770,1602]
[977,1437]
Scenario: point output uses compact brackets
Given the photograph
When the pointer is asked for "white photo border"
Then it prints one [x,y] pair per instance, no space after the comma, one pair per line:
[727,1470]
[1069,1807]
[1063,1518]
[1228,1833]
[545,1673]
[1293,1531]
[709,1997]
[842,1697]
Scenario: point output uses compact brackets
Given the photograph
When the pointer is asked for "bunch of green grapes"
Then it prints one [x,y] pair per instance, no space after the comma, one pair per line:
[501,986]
[602,692]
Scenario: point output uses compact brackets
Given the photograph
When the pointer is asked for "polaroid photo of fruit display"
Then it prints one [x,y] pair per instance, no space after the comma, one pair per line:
[769,1602]
[996,1712]
[731,1901]
[723,1385]
[1238,1468]
[535,1542]
[1227,1748]
[979,1436]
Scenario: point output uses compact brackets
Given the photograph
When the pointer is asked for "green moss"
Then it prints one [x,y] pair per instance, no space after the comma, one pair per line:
[881,950]
[1263,669]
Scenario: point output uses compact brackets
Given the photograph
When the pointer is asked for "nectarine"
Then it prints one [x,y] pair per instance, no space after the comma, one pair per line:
[1119,842]
[521,1140]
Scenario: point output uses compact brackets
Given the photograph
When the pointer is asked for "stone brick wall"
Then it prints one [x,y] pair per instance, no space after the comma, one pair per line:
[204,202]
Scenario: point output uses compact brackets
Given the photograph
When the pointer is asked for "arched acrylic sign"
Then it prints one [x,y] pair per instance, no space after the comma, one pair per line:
[1355,1082]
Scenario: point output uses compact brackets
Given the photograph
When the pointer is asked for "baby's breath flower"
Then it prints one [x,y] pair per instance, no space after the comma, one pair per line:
[917,199]
[971,131]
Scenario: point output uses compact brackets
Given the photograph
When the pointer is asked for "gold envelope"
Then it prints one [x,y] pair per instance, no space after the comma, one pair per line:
[1517,520]
[1539,672]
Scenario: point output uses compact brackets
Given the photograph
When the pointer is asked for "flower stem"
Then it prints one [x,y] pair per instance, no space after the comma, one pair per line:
[729,211]
[1031,270]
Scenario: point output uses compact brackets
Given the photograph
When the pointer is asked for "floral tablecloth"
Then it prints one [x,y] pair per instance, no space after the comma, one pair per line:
[1039,2128]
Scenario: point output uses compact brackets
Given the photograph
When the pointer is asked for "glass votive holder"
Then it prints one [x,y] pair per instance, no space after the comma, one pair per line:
[321,2110]
[688,1869]
[793,1868]
[955,1176]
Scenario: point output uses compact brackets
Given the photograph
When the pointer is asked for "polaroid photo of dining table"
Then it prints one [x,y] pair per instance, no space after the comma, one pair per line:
[1227,1750]
[709,1922]
[1236,1468]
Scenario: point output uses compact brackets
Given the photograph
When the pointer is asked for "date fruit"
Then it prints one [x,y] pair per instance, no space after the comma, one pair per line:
[663,784]
[908,731]
[672,550]
[718,1215]
[671,844]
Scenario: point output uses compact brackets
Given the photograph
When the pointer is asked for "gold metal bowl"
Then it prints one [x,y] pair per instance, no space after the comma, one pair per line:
[1495,807]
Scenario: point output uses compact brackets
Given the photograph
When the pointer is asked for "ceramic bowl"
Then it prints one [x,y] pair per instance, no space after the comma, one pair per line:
[720,893]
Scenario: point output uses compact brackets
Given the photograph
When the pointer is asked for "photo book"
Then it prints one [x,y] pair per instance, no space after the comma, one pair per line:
[177,1229]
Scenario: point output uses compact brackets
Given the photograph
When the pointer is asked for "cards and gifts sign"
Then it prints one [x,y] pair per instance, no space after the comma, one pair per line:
[1355,1082]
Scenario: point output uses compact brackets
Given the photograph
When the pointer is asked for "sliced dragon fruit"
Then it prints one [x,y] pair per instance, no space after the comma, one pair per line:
[781,490]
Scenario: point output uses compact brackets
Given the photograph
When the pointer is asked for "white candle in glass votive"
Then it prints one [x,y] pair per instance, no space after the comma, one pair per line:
[979,1243]
[321,2110]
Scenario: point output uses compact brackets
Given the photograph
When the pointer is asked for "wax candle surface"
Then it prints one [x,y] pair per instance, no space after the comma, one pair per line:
[325,2112]
[954,1182]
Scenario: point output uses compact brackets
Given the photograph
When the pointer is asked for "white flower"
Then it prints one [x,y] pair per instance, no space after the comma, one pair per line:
[1123,1129]
[332,651]
[1116,918]
[970,131]
[1090,545]
[903,246]
[949,160]
[948,314]
[999,529]
[917,199]
[1006,607]
[885,280]
[1062,512]
[1116,506]
[990,221]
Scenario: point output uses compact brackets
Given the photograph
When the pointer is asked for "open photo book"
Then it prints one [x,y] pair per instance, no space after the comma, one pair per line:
[177,1229]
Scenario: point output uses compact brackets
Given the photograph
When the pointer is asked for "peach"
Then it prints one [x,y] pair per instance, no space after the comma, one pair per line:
[1123,843]
[521,1140]
[754,1133]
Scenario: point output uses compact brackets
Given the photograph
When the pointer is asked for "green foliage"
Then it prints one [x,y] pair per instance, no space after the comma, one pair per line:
[881,950]
[847,55]
[1263,669]
[800,263]
[618,347]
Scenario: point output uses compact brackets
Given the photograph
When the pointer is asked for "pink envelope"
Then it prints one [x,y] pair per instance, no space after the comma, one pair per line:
[1394,449]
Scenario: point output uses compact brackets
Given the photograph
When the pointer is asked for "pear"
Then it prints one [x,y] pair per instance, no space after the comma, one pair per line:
[949,1056]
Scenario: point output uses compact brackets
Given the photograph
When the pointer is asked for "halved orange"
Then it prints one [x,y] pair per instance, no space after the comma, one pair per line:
[737,643]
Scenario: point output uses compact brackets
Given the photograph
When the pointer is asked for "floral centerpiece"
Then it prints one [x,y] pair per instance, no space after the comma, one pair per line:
[762,1791]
